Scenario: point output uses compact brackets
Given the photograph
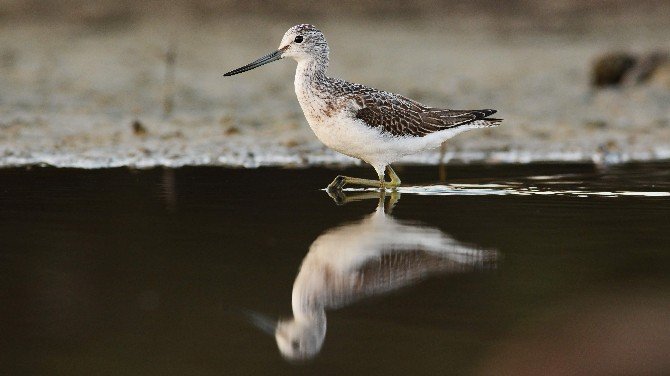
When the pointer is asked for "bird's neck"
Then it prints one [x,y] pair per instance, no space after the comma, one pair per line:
[313,318]
[309,72]
[306,297]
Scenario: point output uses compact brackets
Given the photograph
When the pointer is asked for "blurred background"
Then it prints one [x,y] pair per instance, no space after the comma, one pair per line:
[130,271]
[102,83]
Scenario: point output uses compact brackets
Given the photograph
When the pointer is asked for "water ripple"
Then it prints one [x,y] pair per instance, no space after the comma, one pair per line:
[511,189]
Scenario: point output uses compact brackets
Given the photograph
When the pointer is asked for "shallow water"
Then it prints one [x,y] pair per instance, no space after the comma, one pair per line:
[515,269]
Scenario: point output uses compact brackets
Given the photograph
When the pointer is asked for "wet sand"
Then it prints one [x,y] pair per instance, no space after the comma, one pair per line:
[70,92]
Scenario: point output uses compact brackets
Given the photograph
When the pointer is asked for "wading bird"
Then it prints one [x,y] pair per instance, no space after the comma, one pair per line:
[375,126]
[373,256]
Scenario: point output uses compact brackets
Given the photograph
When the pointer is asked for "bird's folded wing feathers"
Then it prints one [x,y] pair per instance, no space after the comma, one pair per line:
[400,116]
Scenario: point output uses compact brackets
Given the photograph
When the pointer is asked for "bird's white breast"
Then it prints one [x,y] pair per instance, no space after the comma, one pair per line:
[332,121]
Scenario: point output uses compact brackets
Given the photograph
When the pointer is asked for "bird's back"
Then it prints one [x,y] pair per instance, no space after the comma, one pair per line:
[397,115]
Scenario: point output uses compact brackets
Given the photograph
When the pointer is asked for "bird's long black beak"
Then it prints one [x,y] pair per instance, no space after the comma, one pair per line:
[262,322]
[264,60]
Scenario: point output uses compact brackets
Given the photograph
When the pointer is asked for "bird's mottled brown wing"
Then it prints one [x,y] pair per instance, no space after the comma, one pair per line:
[394,270]
[401,116]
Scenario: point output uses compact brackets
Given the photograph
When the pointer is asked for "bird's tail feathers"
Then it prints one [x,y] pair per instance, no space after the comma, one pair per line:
[485,123]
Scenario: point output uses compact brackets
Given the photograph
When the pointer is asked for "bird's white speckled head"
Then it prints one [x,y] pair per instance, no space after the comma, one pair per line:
[302,42]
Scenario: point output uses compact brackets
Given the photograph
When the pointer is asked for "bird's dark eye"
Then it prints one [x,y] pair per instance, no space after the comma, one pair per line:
[295,344]
[298,39]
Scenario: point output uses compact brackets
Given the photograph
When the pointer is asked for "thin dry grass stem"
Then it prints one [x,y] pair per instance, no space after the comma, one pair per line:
[169,84]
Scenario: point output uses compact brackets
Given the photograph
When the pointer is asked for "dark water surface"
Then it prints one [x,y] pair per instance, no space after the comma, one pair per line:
[505,269]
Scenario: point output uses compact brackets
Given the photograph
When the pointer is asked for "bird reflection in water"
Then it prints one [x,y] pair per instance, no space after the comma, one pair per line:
[375,255]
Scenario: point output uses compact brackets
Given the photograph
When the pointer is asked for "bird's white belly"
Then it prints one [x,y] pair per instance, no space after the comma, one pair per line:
[350,136]
[345,135]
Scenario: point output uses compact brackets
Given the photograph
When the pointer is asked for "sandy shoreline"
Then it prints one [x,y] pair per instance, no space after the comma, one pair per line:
[70,94]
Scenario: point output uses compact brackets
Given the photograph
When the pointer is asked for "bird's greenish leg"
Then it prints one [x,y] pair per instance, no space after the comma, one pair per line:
[341,180]
[395,180]
[342,198]
[395,197]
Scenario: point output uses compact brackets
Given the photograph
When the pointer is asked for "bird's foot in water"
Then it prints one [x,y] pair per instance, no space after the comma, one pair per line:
[340,181]
[341,198]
